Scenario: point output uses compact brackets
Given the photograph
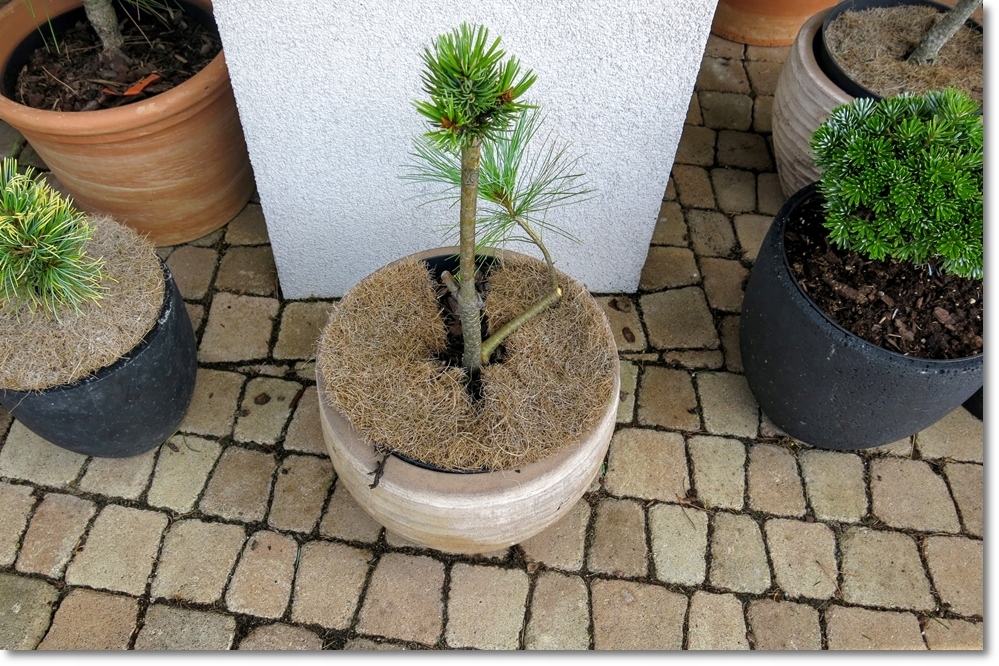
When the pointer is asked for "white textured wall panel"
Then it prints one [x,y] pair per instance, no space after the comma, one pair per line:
[324,92]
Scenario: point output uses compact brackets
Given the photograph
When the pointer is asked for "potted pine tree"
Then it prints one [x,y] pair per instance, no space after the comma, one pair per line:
[97,353]
[863,316]
[130,128]
[468,395]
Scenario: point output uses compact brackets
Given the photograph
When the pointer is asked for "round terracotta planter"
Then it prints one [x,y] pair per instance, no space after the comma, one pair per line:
[820,383]
[465,513]
[174,166]
[764,22]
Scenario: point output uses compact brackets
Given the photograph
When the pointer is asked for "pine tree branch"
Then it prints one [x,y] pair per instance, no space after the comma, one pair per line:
[942,31]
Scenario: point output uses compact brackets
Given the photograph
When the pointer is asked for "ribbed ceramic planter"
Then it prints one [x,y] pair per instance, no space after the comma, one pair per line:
[466,513]
[764,22]
[128,407]
[824,385]
[173,166]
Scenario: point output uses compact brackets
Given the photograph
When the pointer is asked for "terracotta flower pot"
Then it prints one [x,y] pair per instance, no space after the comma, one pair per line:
[173,166]
[764,22]
[466,513]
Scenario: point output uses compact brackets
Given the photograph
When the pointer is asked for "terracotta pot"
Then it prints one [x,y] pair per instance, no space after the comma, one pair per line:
[764,22]
[173,166]
[466,513]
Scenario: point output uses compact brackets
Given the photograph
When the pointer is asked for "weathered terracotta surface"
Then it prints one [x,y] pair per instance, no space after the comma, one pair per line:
[173,166]
[466,513]
[764,22]
[803,100]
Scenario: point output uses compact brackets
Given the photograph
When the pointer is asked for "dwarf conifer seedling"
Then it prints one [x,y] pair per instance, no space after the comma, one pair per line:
[902,178]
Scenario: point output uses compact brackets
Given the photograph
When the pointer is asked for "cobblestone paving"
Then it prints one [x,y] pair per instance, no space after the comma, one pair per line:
[708,529]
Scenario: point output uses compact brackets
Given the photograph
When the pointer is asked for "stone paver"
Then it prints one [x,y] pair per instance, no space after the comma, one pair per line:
[28,457]
[619,539]
[724,280]
[767,53]
[560,614]
[774,484]
[908,494]
[647,464]
[743,150]
[248,270]
[671,228]
[261,583]
[719,47]
[627,392]
[751,230]
[722,110]
[735,190]
[561,546]
[883,569]
[280,636]
[239,328]
[328,584]
[666,398]
[301,324]
[738,557]
[694,112]
[953,634]
[957,568]
[728,327]
[693,186]
[763,76]
[240,486]
[369,644]
[486,607]
[213,406]
[636,616]
[723,75]
[181,471]
[623,318]
[783,625]
[710,233]
[16,503]
[727,404]
[193,268]
[267,402]
[91,620]
[169,628]
[719,471]
[769,197]
[196,560]
[803,556]
[679,319]
[404,599]
[25,611]
[247,228]
[716,622]
[299,493]
[305,433]
[119,551]
[697,147]
[54,532]
[763,111]
[119,477]
[834,483]
[863,629]
[208,240]
[345,519]
[679,543]
[695,359]
[959,436]
[668,267]
[967,485]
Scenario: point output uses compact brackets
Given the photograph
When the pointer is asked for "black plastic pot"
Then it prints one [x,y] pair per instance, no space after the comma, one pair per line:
[828,63]
[822,384]
[128,407]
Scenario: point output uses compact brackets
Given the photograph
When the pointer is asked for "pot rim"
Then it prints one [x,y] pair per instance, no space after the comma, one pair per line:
[780,224]
[197,90]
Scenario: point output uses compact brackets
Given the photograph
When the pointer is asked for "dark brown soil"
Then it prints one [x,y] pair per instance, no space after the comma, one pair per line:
[915,311]
[75,79]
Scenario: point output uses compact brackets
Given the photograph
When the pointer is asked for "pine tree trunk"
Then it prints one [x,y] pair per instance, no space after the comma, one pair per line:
[468,297]
[929,48]
[102,17]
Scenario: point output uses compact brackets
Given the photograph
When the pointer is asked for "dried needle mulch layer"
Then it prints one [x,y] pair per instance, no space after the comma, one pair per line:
[38,351]
[871,46]
[379,355]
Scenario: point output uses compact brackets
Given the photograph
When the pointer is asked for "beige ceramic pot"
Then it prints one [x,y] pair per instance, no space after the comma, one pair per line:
[174,166]
[764,22]
[803,100]
[466,513]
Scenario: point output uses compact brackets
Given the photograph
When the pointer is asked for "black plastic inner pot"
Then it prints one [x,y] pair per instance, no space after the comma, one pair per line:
[19,57]
[828,63]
